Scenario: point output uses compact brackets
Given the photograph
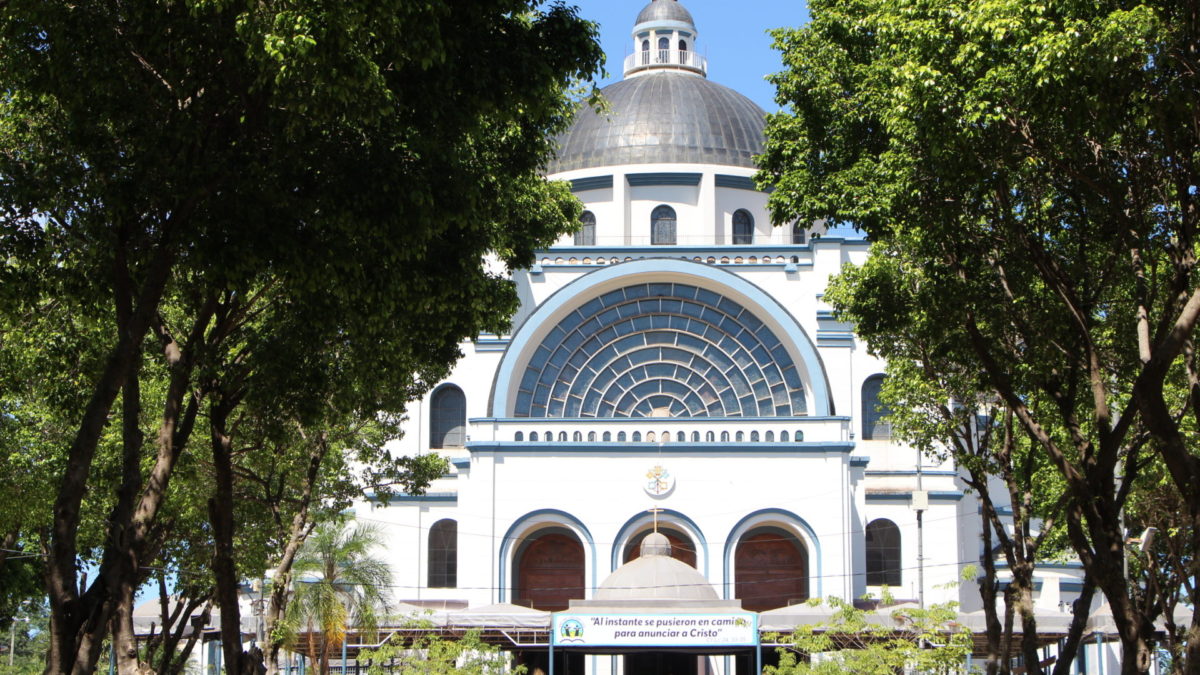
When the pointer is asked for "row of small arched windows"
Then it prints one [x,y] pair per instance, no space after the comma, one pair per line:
[882,549]
[664,437]
[663,228]
[448,423]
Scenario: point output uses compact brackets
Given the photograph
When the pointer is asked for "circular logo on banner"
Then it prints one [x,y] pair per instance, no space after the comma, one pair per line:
[659,481]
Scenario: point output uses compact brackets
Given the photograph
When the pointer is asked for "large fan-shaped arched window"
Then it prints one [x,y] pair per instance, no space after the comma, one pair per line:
[874,426]
[586,236]
[448,418]
[443,554]
[662,225]
[743,227]
[883,553]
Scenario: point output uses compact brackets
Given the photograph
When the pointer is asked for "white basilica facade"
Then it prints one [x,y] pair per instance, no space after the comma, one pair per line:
[673,366]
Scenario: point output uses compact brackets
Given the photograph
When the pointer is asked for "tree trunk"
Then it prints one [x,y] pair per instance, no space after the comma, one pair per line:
[220,509]
[300,529]
[1070,648]
[79,622]
[987,592]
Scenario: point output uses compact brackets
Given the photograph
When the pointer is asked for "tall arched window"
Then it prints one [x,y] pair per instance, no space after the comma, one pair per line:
[683,51]
[448,418]
[664,50]
[743,227]
[874,426]
[883,553]
[645,52]
[797,233]
[662,225]
[443,554]
[586,236]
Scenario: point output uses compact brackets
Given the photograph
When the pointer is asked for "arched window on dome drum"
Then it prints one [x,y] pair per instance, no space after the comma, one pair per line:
[607,438]
[533,436]
[645,52]
[783,437]
[797,233]
[620,436]
[662,225]
[664,50]
[883,553]
[448,418]
[519,436]
[637,437]
[743,227]
[680,436]
[770,569]
[710,437]
[443,554]
[874,426]
[683,52]
[586,236]
[550,571]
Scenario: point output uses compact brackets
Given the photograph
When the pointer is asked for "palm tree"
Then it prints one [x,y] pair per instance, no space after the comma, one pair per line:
[342,586]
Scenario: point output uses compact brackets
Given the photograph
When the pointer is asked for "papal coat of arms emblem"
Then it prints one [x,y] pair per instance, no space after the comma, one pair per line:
[659,481]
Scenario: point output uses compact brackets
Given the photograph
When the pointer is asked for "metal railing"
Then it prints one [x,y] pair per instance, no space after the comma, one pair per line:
[679,58]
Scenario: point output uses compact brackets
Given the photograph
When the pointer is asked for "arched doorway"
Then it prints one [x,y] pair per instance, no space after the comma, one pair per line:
[682,548]
[770,569]
[550,571]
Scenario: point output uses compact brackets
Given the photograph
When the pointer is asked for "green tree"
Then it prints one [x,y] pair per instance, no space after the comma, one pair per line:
[1034,165]
[339,585]
[467,654]
[270,204]
[862,641]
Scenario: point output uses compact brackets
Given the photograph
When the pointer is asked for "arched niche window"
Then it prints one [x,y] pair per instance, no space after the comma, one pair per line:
[770,569]
[683,52]
[562,437]
[695,436]
[797,233]
[883,553]
[664,50]
[769,437]
[753,436]
[586,236]
[533,436]
[739,437]
[783,437]
[448,418]
[607,437]
[743,227]
[680,436]
[710,437]
[577,436]
[724,436]
[443,554]
[645,52]
[874,426]
[620,436]
[519,436]
[662,225]
[637,437]
[591,436]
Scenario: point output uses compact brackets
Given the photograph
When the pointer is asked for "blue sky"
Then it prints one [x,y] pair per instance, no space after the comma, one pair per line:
[732,34]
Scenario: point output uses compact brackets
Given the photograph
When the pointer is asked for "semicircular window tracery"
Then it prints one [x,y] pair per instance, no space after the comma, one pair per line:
[660,349]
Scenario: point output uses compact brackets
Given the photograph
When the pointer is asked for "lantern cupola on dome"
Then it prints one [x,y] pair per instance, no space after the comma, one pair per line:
[664,38]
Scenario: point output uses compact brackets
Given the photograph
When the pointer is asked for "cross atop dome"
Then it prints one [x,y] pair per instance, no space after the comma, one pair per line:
[664,38]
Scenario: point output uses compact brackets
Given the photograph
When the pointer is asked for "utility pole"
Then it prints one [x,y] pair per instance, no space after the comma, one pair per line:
[920,502]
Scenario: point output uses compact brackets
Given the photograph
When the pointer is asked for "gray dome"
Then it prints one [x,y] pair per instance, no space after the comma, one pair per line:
[664,117]
[669,10]
[655,576]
